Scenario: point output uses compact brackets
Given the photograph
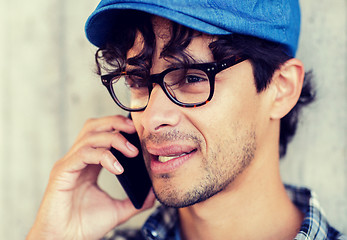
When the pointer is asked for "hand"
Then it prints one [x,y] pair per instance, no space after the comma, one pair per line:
[74,207]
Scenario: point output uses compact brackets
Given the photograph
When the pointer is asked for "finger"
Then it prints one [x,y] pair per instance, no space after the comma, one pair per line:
[109,124]
[86,156]
[106,124]
[107,140]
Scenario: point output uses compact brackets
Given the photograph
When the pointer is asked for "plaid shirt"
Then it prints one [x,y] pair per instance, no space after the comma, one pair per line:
[163,223]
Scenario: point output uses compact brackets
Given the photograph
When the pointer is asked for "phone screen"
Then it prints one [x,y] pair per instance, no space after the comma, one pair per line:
[135,179]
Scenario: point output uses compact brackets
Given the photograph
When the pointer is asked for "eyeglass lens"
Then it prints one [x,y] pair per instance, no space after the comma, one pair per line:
[188,86]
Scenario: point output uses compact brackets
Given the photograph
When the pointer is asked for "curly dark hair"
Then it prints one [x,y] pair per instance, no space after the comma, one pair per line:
[265,57]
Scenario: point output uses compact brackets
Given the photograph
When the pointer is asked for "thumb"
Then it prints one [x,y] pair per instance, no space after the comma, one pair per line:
[149,203]
[126,210]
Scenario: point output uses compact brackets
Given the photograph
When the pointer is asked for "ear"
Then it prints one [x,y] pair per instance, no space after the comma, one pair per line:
[287,83]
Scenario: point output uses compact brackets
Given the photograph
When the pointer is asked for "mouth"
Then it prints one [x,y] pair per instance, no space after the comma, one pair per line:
[170,158]
[164,159]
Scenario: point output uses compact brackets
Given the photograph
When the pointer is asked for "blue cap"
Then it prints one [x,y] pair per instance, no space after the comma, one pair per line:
[274,20]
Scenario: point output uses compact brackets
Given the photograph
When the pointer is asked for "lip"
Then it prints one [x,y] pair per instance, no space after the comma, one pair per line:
[158,167]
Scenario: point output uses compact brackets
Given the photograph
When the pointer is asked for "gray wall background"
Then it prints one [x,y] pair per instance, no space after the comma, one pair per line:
[48,90]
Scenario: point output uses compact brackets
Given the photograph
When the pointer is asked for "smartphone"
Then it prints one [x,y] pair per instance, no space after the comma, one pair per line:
[135,179]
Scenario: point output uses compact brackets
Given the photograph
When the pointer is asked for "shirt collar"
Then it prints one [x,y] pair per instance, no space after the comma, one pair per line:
[315,224]
[162,224]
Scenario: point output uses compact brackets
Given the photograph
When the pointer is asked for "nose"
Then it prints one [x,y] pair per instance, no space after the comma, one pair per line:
[161,113]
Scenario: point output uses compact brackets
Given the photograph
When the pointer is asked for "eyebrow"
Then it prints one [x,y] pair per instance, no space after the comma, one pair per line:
[182,64]
[134,70]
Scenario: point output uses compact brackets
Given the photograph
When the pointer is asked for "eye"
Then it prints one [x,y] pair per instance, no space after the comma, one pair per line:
[134,81]
[195,78]
[180,78]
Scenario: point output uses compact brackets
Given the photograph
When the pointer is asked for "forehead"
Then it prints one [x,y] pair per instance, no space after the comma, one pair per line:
[198,48]
[162,28]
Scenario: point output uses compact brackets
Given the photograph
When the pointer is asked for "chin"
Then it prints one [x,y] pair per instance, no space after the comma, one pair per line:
[172,197]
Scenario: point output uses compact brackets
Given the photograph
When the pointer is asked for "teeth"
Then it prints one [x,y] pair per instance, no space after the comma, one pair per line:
[164,159]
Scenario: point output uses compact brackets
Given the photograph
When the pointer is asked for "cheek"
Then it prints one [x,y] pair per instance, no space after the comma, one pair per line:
[231,115]
[136,117]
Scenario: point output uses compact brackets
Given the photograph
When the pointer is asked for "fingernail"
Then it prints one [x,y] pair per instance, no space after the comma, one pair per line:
[118,167]
[131,147]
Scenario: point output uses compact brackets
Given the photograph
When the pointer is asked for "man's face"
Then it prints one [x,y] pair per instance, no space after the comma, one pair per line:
[193,153]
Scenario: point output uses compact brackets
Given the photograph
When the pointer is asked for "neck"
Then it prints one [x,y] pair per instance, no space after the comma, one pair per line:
[254,206]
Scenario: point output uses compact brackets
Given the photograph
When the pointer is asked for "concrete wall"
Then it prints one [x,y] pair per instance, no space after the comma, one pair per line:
[48,90]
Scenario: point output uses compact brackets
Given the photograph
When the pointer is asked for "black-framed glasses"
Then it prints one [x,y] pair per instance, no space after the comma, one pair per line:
[190,86]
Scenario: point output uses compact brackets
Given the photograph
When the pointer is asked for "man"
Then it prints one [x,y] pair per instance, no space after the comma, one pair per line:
[215,92]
